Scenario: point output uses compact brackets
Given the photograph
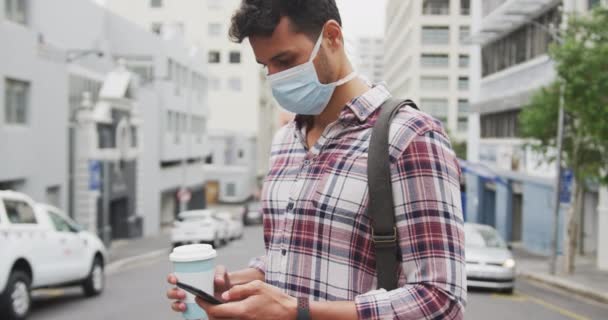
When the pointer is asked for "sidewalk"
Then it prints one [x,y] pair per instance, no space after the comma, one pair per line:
[586,281]
[120,250]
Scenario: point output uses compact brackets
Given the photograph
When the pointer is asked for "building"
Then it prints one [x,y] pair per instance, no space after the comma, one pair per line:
[126,128]
[507,184]
[234,86]
[426,59]
[369,60]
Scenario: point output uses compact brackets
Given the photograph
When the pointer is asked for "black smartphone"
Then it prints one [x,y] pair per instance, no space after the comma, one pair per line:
[199,293]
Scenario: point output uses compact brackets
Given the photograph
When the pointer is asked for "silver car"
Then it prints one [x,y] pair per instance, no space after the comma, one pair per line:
[490,263]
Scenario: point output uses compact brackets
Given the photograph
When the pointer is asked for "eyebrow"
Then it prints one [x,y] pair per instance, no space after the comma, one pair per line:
[276,57]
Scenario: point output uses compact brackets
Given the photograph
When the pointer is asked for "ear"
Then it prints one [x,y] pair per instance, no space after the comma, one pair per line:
[333,34]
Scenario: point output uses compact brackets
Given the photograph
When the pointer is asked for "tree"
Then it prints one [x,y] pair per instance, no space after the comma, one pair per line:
[582,68]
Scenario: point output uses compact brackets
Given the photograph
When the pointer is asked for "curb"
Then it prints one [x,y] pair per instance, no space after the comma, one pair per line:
[114,267]
[580,290]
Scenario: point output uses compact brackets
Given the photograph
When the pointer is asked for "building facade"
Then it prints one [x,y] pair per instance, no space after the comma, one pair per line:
[509,62]
[426,58]
[127,127]
[369,60]
[234,86]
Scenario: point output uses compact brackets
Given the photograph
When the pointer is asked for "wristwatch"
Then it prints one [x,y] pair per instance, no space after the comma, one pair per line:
[303,309]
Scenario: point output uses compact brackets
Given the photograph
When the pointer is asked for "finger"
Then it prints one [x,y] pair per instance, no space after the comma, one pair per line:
[244,291]
[233,310]
[172,279]
[220,274]
[176,294]
[178,306]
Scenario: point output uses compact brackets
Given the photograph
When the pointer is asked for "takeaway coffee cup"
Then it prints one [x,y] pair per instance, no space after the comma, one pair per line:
[194,265]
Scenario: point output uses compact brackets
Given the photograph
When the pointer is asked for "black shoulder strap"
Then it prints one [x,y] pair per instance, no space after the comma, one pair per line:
[381,205]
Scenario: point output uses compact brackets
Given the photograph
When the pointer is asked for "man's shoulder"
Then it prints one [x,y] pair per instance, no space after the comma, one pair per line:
[410,123]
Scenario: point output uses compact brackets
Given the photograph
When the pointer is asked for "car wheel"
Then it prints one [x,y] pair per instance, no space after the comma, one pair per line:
[508,290]
[16,300]
[93,285]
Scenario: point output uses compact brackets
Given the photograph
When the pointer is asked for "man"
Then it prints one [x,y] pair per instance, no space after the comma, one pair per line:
[319,252]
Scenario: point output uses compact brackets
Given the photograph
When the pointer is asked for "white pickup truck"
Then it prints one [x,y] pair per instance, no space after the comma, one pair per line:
[40,247]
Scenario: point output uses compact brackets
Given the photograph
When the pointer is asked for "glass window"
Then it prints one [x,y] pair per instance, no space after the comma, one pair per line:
[483,237]
[434,83]
[60,224]
[156,27]
[436,7]
[215,29]
[463,107]
[16,101]
[16,11]
[230,189]
[235,57]
[465,7]
[435,35]
[438,108]
[19,212]
[463,83]
[214,56]
[435,60]
[463,60]
[235,84]
[156,3]
[465,32]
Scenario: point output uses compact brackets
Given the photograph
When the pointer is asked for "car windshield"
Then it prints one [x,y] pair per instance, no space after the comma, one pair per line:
[483,237]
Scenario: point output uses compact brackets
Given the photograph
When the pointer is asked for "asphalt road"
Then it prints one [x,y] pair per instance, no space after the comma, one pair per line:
[138,292]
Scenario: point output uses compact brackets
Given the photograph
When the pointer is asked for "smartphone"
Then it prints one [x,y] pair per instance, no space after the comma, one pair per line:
[199,293]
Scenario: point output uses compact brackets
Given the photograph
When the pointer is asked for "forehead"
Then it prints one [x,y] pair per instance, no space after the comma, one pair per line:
[283,39]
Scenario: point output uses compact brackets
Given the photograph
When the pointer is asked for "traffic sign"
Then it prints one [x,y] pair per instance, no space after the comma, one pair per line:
[565,193]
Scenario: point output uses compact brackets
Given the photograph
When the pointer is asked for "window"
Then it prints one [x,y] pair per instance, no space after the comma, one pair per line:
[435,60]
[16,11]
[19,212]
[241,154]
[214,56]
[214,29]
[438,108]
[156,3]
[235,57]
[60,224]
[156,27]
[235,84]
[463,113]
[500,125]
[169,127]
[434,83]
[465,32]
[436,7]
[230,189]
[463,83]
[465,7]
[435,35]
[463,60]
[16,101]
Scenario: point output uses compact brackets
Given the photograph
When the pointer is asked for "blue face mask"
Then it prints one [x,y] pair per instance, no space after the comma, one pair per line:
[298,90]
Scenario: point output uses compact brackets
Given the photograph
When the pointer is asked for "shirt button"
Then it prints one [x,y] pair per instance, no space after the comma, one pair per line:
[284,251]
[306,163]
[290,206]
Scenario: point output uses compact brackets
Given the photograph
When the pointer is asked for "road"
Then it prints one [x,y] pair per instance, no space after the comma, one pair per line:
[137,292]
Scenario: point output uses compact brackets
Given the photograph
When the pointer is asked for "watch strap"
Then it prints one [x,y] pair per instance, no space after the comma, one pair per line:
[303,309]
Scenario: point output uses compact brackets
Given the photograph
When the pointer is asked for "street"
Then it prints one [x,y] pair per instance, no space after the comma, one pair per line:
[138,292]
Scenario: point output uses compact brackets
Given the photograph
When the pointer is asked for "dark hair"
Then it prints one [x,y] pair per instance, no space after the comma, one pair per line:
[261,17]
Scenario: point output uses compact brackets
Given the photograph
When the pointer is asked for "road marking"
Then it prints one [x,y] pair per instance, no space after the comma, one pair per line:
[524,297]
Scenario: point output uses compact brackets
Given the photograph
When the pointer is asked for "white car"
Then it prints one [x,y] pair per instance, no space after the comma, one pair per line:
[197,226]
[252,213]
[42,247]
[235,225]
[223,224]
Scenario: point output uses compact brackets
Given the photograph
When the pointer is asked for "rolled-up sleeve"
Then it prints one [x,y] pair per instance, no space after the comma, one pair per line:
[258,263]
[426,188]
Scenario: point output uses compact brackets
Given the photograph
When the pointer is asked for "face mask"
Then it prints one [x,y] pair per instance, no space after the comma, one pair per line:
[298,90]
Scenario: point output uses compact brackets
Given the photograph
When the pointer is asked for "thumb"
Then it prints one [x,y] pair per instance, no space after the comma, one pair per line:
[242,292]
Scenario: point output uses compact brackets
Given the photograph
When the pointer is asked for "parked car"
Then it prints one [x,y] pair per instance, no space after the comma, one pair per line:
[235,224]
[252,213]
[223,226]
[490,263]
[41,247]
[197,226]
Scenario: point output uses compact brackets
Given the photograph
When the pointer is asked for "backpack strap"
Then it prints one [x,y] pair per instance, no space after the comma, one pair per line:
[381,205]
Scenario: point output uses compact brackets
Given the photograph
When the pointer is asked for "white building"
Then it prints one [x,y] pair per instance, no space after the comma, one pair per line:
[369,60]
[508,64]
[52,58]
[234,86]
[426,60]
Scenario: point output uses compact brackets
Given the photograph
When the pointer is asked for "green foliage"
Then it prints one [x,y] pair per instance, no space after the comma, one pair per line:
[582,66]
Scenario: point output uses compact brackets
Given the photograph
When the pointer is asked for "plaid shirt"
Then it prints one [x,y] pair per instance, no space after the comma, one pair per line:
[318,236]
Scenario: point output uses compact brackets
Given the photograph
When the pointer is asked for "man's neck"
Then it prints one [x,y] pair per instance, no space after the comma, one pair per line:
[342,95]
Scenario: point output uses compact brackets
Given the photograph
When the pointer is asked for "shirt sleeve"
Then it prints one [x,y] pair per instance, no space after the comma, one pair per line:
[426,188]
[258,263]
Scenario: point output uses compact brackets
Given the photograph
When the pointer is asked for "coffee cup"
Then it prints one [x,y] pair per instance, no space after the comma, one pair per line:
[194,265]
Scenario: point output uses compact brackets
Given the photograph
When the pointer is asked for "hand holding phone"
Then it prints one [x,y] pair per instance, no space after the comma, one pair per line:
[199,293]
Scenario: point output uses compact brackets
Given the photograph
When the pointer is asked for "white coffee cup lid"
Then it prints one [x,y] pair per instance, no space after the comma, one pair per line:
[192,252]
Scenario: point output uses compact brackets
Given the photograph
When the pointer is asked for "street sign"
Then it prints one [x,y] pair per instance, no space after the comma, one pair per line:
[565,193]
[94,175]
[184,195]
